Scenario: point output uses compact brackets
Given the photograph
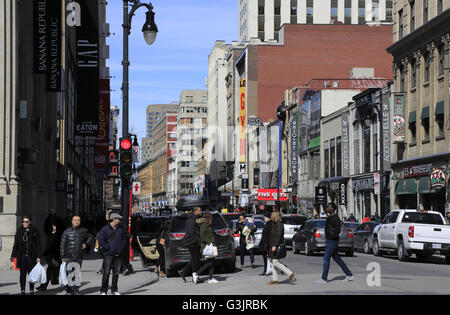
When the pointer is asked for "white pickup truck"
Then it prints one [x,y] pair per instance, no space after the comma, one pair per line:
[419,232]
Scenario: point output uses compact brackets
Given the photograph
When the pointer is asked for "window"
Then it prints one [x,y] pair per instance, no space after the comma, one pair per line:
[327,159]
[293,7]
[412,23]
[338,156]
[361,11]
[426,128]
[439,112]
[356,148]
[400,24]
[334,8]
[189,99]
[412,127]
[425,11]
[348,12]
[413,74]
[375,146]
[439,7]
[441,52]
[309,11]
[426,58]
[277,9]
[261,9]
[402,79]
[389,10]
[332,158]
[366,148]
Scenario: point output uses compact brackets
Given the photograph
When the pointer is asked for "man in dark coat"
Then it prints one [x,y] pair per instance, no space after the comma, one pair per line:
[27,251]
[192,243]
[332,231]
[73,244]
[52,219]
[52,257]
[264,242]
[113,240]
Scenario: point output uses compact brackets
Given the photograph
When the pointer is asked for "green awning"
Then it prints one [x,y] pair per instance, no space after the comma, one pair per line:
[314,143]
[412,117]
[406,187]
[439,108]
[425,187]
[425,113]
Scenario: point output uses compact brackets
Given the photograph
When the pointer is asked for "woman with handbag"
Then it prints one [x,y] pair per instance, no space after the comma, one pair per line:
[207,239]
[277,250]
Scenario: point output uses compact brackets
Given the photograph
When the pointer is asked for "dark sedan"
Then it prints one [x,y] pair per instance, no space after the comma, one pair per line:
[363,236]
[310,238]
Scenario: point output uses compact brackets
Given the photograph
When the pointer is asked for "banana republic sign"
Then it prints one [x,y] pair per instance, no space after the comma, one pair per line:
[47,42]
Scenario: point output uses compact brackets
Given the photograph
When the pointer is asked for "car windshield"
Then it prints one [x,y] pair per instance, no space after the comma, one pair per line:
[422,217]
[351,226]
[179,223]
[149,226]
[293,220]
[319,224]
[230,217]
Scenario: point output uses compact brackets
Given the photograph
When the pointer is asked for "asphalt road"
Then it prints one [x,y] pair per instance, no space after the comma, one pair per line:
[373,275]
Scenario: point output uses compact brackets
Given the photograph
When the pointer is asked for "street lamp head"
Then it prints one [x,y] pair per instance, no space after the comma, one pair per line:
[281,112]
[150,29]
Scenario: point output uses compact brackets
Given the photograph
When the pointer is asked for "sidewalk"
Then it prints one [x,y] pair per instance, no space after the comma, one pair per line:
[90,280]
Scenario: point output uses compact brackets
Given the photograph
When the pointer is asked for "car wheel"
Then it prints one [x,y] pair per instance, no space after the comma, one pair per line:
[308,251]
[447,259]
[367,249]
[401,251]
[349,253]
[376,247]
[294,248]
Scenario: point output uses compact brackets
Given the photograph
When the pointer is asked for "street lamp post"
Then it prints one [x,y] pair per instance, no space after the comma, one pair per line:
[281,115]
[149,31]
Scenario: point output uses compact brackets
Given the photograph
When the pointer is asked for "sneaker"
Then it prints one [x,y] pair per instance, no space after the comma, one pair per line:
[116,293]
[242,267]
[348,278]
[273,282]
[320,281]
[212,281]
[31,293]
[162,274]
[41,288]
[292,278]
[253,266]
[180,272]
[195,278]
[102,293]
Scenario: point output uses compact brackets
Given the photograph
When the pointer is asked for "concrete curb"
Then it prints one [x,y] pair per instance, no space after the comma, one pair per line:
[152,279]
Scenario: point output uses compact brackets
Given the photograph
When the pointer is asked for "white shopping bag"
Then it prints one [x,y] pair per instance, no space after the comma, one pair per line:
[63,274]
[35,276]
[268,270]
[208,251]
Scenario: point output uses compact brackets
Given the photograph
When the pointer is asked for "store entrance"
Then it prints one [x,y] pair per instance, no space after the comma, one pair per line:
[407,201]
[434,202]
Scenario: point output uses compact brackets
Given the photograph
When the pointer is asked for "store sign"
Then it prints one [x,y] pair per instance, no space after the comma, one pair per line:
[242,122]
[417,170]
[271,195]
[294,148]
[399,119]
[321,195]
[345,146]
[376,183]
[363,184]
[438,178]
[342,194]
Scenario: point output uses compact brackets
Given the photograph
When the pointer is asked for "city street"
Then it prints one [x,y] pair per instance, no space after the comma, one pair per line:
[413,277]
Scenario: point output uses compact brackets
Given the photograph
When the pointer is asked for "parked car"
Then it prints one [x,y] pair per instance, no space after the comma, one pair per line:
[418,232]
[259,225]
[352,225]
[291,222]
[363,236]
[310,238]
[177,255]
[146,230]
[229,217]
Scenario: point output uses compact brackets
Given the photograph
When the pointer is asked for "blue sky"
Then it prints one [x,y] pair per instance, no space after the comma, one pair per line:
[177,60]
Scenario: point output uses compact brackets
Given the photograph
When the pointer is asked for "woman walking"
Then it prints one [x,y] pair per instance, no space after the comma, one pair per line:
[206,238]
[27,250]
[52,257]
[275,240]
[244,238]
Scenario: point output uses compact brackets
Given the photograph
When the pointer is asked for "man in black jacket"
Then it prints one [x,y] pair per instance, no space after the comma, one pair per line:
[332,231]
[73,243]
[264,242]
[192,243]
[113,240]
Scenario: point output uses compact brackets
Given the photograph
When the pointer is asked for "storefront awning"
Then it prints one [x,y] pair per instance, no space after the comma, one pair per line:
[439,108]
[406,187]
[424,186]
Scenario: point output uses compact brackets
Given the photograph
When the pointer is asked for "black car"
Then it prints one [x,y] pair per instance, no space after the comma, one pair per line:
[352,225]
[177,255]
[146,229]
[363,236]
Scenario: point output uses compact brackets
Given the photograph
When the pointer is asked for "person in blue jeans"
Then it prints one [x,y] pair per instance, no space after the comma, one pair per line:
[332,231]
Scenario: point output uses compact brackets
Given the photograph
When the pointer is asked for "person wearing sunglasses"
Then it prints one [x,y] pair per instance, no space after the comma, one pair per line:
[27,251]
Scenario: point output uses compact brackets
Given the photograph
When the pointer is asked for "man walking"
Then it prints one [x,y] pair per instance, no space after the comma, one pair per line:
[332,231]
[74,241]
[264,242]
[192,243]
[112,239]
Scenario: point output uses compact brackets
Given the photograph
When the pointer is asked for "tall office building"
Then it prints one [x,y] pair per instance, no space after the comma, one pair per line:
[263,18]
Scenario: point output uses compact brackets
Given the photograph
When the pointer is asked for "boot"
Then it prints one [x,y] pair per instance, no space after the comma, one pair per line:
[162,274]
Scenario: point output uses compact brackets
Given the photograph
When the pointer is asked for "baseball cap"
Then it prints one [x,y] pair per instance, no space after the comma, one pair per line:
[115,216]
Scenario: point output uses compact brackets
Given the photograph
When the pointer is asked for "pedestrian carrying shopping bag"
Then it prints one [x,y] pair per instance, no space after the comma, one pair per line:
[63,274]
[208,251]
[37,274]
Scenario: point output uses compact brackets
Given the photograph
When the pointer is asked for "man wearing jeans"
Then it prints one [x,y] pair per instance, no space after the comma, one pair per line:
[112,239]
[332,231]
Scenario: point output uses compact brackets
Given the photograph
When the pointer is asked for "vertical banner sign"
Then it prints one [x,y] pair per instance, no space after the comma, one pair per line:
[102,141]
[399,119]
[345,146]
[386,121]
[242,122]
[342,194]
[294,147]
[87,67]
[315,116]
[53,80]
[40,48]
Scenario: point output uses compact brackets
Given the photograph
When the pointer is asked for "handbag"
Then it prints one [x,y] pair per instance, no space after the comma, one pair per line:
[37,274]
[63,275]
[281,251]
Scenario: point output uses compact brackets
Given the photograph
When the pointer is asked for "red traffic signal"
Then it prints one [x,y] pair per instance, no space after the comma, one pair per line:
[125,144]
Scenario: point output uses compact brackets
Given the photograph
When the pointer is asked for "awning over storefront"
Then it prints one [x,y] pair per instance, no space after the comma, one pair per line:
[406,187]
[424,186]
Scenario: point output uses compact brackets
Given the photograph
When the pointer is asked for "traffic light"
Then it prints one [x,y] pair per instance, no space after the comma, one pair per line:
[112,167]
[126,158]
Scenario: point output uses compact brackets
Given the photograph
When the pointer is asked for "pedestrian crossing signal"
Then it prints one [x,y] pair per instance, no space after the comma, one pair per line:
[112,167]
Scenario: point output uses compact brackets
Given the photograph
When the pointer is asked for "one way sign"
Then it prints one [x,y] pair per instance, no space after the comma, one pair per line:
[136,188]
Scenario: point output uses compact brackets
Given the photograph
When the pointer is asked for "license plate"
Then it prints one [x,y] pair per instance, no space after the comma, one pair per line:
[437,246]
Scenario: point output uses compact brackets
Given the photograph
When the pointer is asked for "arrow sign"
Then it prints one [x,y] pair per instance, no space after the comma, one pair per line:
[136,188]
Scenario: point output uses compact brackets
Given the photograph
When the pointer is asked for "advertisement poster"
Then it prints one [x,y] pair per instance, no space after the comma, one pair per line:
[399,119]
[242,122]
